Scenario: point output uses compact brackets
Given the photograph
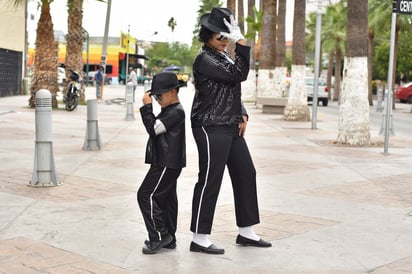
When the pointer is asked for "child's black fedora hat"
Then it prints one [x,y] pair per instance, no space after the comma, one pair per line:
[163,82]
[213,21]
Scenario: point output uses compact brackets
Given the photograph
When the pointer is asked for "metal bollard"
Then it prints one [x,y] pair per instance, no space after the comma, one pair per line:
[390,128]
[44,173]
[129,102]
[92,139]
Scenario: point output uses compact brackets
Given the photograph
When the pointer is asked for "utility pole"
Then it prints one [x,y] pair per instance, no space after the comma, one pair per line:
[106,33]
[127,53]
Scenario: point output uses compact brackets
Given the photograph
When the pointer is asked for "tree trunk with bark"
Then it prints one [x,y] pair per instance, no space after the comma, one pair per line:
[353,125]
[74,48]
[45,59]
[297,107]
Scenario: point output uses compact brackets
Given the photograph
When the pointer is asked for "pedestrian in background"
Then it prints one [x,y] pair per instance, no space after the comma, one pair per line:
[219,119]
[166,154]
[98,77]
[132,79]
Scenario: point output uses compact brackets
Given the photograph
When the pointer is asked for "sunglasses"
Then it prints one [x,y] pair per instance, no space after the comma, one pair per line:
[220,37]
[157,97]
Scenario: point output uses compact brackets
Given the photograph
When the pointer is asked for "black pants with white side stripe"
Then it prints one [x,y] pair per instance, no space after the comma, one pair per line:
[157,200]
[221,146]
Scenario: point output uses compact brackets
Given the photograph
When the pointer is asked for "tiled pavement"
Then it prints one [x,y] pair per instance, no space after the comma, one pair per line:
[326,208]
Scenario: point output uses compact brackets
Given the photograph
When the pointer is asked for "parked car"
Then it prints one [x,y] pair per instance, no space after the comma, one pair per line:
[404,93]
[181,76]
[323,90]
[61,76]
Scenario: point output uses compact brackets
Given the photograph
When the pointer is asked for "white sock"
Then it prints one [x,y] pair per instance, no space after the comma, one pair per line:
[248,232]
[201,239]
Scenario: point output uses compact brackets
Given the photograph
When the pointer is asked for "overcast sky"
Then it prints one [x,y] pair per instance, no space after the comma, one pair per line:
[146,17]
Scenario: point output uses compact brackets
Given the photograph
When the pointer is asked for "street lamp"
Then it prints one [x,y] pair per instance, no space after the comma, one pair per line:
[319,12]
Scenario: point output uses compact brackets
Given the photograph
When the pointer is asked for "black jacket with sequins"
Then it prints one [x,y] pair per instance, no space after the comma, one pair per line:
[217,79]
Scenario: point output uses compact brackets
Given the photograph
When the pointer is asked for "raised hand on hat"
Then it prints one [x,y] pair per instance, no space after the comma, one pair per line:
[234,33]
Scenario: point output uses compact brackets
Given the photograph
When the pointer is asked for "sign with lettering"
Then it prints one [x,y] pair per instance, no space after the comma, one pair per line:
[402,6]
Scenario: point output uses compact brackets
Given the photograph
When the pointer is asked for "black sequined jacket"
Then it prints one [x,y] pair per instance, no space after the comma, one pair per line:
[217,79]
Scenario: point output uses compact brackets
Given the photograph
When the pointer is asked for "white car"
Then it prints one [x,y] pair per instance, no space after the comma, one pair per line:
[323,90]
[61,76]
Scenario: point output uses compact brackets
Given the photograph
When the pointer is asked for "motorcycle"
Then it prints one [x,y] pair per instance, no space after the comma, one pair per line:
[71,99]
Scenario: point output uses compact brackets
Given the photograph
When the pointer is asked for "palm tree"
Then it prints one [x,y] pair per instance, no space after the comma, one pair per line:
[280,68]
[297,107]
[252,29]
[45,59]
[74,46]
[231,4]
[267,52]
[334,37]
[172,24]
[241,15]
[353,126]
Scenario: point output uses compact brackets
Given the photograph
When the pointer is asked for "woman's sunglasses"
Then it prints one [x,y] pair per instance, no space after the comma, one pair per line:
[220,37]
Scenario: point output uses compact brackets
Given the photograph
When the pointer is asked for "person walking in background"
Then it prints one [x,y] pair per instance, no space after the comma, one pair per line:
[218,119]
[98,77]
[166,154]
[132,79]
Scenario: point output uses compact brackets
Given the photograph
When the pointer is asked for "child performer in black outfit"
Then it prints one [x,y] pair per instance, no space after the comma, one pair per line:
[166,154]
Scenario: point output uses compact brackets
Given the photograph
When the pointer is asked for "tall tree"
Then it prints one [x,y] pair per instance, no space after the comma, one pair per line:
[241,15]
[267,52]
[280,59]
[74,46]
[334,37]
[353,126]
[231,4]
[297,107]
[251,30]
[45,58]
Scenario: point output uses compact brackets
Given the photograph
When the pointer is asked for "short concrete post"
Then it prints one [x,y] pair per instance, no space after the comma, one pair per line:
[92,139]
[129,102]
[44,173]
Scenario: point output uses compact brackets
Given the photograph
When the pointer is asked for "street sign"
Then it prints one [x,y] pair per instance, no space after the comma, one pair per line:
[402,6]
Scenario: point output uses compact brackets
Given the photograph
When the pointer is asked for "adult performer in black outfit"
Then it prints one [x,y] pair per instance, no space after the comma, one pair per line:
[219,120]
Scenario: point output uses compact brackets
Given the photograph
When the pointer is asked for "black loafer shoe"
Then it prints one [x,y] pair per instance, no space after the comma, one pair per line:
[240,240]
[212,249]
[153,247]
[172,244]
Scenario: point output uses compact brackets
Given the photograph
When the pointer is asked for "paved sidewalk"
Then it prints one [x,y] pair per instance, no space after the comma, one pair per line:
[326,208]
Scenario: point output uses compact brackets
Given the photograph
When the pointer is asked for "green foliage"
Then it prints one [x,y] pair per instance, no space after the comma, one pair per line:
[380,14]
[165,54]
[254,25]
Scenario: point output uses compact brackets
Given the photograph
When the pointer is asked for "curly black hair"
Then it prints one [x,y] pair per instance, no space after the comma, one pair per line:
[205,34]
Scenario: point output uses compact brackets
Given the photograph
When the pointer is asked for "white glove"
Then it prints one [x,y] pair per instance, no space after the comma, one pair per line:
[234,30]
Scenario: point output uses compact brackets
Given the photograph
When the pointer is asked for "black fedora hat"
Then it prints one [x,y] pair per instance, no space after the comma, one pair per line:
[163,82]
[214,20]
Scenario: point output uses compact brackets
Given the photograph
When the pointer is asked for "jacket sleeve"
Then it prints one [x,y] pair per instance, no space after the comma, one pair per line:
[236,71]
[148,118]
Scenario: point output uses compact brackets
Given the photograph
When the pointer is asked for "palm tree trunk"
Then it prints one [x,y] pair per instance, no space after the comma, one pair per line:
[45,59]
[297,108]
[267,52]
[280,69]
[353,125]
[330,70]
[74,46]
[371,36]
[338,76]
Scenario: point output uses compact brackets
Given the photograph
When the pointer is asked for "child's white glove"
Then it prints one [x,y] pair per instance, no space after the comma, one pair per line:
[234,30]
